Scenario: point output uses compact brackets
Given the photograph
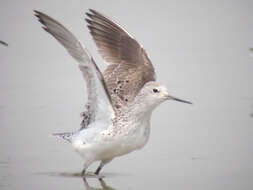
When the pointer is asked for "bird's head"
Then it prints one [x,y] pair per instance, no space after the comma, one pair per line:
[152,94]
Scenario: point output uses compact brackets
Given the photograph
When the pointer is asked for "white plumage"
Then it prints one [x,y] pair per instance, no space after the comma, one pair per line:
[116,120]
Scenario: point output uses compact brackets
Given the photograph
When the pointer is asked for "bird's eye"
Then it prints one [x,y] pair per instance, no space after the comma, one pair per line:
[155,90]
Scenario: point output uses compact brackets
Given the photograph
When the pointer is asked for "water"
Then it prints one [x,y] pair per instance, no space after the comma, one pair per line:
[191,147]
[203,57]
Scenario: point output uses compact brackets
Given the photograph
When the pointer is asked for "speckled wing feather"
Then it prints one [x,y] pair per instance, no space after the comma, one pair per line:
[94,79]
[129,66]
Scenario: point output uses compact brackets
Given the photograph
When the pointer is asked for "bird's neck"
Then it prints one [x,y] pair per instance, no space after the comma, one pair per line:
[137,111]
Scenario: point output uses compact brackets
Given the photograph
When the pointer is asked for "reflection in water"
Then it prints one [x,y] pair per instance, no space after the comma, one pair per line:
[4,173]
[102,183]
[78,174]
[85,178]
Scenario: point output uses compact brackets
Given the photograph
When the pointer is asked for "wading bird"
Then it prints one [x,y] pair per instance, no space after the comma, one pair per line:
[116,119]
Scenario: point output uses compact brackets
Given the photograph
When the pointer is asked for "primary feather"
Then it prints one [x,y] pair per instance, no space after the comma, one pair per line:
[129,66]
[96,87]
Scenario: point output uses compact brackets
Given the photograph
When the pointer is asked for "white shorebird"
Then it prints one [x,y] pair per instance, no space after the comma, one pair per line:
[116,120]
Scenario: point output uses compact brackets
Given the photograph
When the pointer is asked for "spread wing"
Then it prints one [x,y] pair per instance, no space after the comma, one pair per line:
[97,90]
[129,67]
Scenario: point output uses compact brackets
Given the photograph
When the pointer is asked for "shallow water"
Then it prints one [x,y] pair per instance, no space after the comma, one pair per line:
[202,56]
[185,151]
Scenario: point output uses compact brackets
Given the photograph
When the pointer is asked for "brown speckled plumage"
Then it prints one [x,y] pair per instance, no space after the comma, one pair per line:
[129,66]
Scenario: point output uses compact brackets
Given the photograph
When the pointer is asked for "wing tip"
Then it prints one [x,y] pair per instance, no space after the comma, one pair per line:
[88,14]
[4,43]
[36,12]
[39,16]
[93,11]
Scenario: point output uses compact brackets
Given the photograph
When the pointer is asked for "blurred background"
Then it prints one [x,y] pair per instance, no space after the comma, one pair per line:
[201,52]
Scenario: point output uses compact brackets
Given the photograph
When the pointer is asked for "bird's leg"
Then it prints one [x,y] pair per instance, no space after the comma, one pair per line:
[85,166]
[83,172]
[101,165]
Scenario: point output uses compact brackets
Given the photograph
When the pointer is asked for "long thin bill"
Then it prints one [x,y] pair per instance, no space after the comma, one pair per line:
[180,100]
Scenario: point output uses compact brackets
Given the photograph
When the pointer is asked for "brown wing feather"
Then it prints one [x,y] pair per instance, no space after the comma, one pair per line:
[129,66]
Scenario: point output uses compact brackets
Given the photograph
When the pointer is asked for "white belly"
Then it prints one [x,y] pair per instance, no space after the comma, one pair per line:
[115,141]
[111,147]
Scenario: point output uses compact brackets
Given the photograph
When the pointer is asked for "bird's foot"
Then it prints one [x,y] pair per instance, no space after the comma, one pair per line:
[83,172]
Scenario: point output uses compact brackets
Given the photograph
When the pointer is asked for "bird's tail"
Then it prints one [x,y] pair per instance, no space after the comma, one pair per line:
[66,136]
